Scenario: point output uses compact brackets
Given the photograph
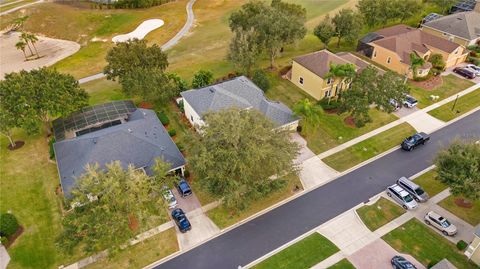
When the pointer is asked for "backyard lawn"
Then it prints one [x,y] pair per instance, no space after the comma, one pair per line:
[470,215]
[143,253]
[450,86]
[369,148]
[429,183]
[463,105]
[343,264]
[301,255]
[224,217]
[380,213]
[425,245]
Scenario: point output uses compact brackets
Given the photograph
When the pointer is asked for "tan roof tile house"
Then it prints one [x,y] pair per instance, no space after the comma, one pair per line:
[392,47]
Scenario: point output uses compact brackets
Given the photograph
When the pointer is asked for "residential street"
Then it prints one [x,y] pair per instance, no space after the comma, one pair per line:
[261,235]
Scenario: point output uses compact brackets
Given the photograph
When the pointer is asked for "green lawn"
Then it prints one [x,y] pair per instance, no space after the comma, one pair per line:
[223,217]
[301,255]
[450,86]
[380,213]
[369,148]
[463,105]
[470,215]
[429,183]
[425,245]
[143,253]
[343,264]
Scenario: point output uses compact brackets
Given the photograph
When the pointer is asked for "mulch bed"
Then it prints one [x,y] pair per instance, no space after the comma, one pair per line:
[429,84]
[13,237]
[132,222]
[18,144]
[145,105]
[350,122]
[462,203]
[331,111]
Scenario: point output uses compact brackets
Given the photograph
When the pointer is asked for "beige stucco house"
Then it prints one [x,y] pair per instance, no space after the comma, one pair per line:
[392,47]
[473,250]
[309,72]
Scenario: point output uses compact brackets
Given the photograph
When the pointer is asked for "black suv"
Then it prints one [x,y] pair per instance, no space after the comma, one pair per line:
[464,72]
[399,262]
[415,140]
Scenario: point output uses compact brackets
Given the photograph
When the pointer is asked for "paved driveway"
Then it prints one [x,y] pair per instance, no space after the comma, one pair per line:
[450,71]
[202,229]
[424,122]
[377,255]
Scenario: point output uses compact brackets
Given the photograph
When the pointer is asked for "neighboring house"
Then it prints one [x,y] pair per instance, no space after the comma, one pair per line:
[309,72]
[466,5]
[443,264]
[392,47]
[239,92]
[116,131]
[462,28]
[473,250]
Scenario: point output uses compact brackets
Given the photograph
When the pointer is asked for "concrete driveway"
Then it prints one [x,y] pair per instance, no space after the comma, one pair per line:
[424,122]
[450,71]
[314,172]
[305,153]
[202,229]
[378,255]
[405,111]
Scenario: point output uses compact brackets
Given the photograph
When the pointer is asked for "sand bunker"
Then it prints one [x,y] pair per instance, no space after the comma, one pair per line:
[51,51]
[142,30]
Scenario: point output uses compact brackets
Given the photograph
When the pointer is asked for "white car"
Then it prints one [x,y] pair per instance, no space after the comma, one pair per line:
[441,223]
[475,69]
[401,196]
[410,101]
[169,197]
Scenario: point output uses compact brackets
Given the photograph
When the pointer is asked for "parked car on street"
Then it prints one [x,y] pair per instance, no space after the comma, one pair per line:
[441,223]
[464,72]
[475,69]
[399,262]
[410,101]
[401,196]
[181,220]
[183,188]
[414,141]
[416,191]
[169,197]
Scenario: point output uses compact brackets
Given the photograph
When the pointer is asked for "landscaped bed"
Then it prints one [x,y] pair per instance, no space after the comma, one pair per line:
[428,247]
[429,183]
[301,255]
[380,213]
[369,148]
[343,264]
[464,104]
[470,213]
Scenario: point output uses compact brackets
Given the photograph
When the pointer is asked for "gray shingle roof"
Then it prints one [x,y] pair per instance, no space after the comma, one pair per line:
[239,92]
[463,24]
[139,141]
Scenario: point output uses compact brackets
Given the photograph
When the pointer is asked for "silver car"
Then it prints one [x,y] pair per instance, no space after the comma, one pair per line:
[401,196]
[441,223]
[416,191]
[169,197]
[475,69]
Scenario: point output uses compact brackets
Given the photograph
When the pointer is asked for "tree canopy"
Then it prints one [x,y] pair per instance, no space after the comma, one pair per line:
[458,167]
[237,154]
[111,206]
[244,50]
[325,31]
[380,12]
[347,25]
[202,79]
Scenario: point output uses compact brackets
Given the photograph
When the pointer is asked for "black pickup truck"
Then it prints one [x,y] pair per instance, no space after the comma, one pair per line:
[415,140]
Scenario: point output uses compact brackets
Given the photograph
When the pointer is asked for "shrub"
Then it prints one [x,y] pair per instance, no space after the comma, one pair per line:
[474,60]
[180,146]
[8,224]
[260,78]
[52,151]
[326,105]
[172,132]
[181,106]
[202,79]
[3,240]
[186,174]
[461,245]
[163,118]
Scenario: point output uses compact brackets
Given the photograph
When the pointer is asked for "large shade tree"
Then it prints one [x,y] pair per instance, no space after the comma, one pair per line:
[347,25]
[325,31]
[458,166]
[238,154]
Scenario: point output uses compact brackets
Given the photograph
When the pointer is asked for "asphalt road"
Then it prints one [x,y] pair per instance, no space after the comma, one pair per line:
[269,231]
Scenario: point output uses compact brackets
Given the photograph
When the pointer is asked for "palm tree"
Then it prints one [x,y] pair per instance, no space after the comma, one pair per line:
[21,46]
[33,39]
[309,112]
[345,72]
[24,37]
[19,22]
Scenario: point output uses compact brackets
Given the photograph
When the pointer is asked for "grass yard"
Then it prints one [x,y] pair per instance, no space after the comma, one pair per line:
[450,86]
[425,245]
[463,105]
[143,253]
[470,215]
[223,217]
[343,264]
[301,255]
[380,213]
[429,183]
[369,148]
[333,131]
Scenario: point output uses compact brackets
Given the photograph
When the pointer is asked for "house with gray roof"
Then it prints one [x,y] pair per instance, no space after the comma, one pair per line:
[240,93]
[116,131]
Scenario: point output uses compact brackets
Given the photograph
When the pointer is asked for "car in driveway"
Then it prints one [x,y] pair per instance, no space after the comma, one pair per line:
[440,223]
[416,191]
[475,69]
[394,103]
[414,141]
[169,197]
[183,188]
[181,220]
[410,101]
[401,196]
[399,262]
[464,72]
